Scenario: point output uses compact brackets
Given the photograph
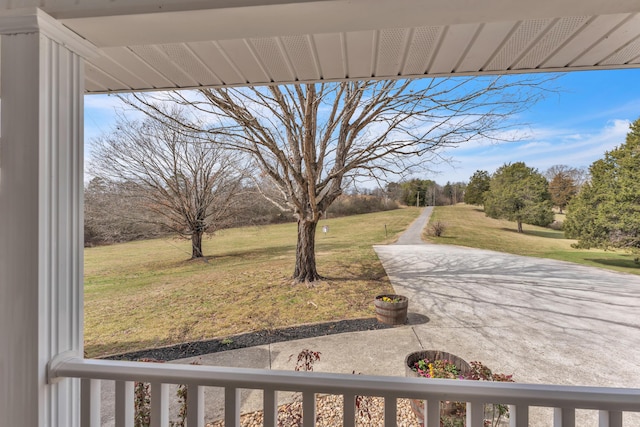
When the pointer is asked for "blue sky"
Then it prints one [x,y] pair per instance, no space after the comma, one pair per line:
[588,116]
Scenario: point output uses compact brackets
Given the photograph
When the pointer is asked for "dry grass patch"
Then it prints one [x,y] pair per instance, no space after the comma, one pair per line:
[147,294]
[467,225]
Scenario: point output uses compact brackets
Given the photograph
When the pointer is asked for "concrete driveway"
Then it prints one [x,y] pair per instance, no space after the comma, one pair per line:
[541,320]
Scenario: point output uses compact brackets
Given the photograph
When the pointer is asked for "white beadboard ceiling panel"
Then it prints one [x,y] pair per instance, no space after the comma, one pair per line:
[190,64]
[628,54]
[244,58]
[214,58]
[271,54]
[516,45]
[421,49]
[561,31]
[108,65]
[159,58]
[391,49]
[582,41]
[302,55]
[331,55]
[170,44]
[490,38]
[126,58]
[453,46]
[360,54]
[92,87]
[103,79]
[617,39]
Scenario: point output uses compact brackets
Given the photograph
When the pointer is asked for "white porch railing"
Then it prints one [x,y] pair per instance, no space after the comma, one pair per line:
[610,402]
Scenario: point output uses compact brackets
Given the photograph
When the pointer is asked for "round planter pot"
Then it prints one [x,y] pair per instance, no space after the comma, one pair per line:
[391,313]
[447,409]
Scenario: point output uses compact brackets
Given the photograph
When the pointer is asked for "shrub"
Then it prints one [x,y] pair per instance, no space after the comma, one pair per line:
[437,228]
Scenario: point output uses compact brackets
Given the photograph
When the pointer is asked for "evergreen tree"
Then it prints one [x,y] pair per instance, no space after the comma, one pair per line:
[477,188]
[521,194]
[606,212]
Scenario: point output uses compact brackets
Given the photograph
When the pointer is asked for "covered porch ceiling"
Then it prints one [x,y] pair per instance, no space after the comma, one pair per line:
[171,44]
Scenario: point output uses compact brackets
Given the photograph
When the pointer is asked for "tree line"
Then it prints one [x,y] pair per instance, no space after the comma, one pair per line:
[602,202]
[425,192]
[119,211]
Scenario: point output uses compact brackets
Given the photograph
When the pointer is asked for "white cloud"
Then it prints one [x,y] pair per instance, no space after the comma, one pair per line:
[546,147]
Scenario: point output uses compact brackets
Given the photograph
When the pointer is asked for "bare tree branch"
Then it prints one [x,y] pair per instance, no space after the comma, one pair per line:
[312,139]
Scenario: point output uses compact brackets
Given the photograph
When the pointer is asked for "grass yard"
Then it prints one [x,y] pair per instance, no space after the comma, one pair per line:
[148,294]
[467,225]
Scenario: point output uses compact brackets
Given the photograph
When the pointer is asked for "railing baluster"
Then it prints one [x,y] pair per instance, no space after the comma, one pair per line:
[270,407]
[475,414]
[390,411]
[308,409]
[159,405]
[195,405]
[124,403]
[518,415]
[610,419]
[433,412]
[90,403]
[564,417]
[611,403]
[231,407]
[349,410]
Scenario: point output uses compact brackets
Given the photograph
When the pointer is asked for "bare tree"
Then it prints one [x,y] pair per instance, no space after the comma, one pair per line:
[579,175]
[312,140]
[564,183]
[187,181]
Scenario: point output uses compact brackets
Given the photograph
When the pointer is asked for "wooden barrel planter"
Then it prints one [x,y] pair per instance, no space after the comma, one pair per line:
[391,309]
[447,409]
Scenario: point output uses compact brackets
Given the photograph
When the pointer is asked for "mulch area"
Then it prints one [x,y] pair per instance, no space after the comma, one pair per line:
[251,339]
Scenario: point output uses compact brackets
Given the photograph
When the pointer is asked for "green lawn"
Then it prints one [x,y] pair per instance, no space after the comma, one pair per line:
[147,294]
[468,226]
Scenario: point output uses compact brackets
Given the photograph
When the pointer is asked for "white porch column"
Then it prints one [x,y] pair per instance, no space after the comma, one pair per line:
[41,221]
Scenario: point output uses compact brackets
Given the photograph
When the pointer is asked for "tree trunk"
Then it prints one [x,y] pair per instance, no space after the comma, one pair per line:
[519,226]
[196,245]
[306,252]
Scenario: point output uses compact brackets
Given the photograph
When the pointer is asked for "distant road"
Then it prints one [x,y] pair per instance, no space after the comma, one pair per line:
[413,234]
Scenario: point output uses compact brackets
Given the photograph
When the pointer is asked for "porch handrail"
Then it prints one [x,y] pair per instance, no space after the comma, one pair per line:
[520,395]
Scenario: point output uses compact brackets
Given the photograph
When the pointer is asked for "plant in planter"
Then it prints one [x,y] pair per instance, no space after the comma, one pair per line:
[438,364]
[391,309]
